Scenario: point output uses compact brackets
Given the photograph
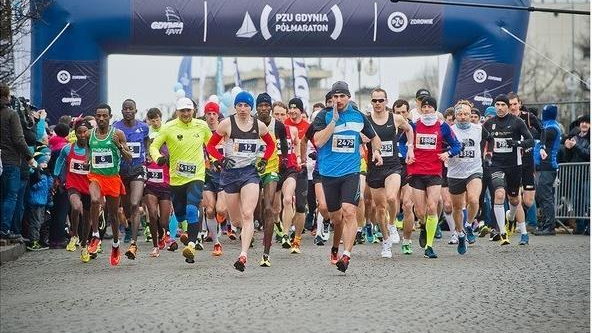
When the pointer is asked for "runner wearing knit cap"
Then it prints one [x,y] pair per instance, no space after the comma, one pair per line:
[239,166]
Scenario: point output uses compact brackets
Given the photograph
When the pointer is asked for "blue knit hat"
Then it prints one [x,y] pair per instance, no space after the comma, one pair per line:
[244,97]
[490,111]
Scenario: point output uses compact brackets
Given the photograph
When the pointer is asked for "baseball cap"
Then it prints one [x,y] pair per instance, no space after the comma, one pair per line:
[184,103]
[422,93]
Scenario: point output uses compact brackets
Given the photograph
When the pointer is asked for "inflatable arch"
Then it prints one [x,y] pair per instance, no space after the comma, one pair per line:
[71,77]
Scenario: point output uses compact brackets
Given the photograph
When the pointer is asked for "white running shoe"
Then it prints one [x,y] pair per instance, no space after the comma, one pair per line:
[394,237]
[453,239]
[386,251]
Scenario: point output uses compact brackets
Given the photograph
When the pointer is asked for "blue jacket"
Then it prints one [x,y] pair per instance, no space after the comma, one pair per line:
[39,192]
[552,142]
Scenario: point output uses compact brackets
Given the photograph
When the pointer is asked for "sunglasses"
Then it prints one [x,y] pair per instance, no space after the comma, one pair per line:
[378,100]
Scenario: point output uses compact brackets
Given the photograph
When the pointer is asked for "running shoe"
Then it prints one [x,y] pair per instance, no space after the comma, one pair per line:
[295,249]
[438,234]
[162,242]
[504,239]
[453,239]
[422,236]
[184,238]
[429,253]
[359,238]
[199,245]
[462,244]
[484,231]
[265,261]
[84,255]
[37,246]
[386,251]
[318,240]
[342,263]
[406,249]
[93,245]
[394,237]
[189,253]
[147,234]
[399,224]
[220,218]
[115,256]
[71,247]
[173,246]
[217,250]
[494,236]
[286,242]
[369,233]
[240,263]
[523,239]
[510,224]
[333,256]
[128,235]
[155,252]
[231,234]
[471,238]
[131,251]
[378,236]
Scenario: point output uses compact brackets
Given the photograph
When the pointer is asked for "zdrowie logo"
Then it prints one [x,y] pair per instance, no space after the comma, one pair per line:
[397,22]
[173,24]
[73,100]
[63,76]
[480,76]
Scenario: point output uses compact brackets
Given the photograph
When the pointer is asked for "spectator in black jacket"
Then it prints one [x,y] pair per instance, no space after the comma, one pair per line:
[577,149]
[14,152]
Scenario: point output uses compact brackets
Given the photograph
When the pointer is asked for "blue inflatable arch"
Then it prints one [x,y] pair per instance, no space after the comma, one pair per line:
[71,76]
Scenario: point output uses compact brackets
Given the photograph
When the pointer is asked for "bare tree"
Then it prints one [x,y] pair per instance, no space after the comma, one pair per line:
[539,79]
[429,77]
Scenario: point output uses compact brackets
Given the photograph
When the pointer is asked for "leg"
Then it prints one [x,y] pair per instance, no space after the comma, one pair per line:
[249,194]
[269,191]
[136,189]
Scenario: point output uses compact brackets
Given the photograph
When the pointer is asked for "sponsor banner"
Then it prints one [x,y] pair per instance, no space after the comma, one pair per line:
[480,81]
[167,22]
[69,88]
[283,24]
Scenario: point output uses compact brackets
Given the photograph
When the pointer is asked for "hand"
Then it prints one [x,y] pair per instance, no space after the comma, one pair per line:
[335,114]
[377,159]
[215,166]
[570,143]
[227,163]
[163,160]
[313,155]
[125,153]
[514,143]
[543,154]
[148,158]
[444,157]
[42,114]
[32,163]
[261,164]
[410,156]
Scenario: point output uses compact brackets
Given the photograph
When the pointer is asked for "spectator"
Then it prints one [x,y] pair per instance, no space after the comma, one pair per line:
[38,200]
[60,139]
[545,158]
[577,149]
[15,151]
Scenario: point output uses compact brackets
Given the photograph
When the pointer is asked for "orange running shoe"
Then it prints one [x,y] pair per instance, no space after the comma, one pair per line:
[217,250]
[333,256]
[115,256]
[162,242]
[93,245]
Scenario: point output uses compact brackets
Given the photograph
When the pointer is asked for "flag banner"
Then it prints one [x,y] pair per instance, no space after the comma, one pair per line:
[272,79]
[300,81]
[184,76]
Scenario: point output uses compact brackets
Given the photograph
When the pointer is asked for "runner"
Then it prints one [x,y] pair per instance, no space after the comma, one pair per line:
[184,138]
[503,150]
[385,180]
[426,172]
[239,166]
[73,160]
[132,173]
[337,134]
[107,147]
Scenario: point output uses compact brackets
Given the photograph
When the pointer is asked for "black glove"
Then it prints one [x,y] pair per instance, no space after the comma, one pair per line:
[313,155]
[162,160]
[514,143]
[227,163]
[261,164]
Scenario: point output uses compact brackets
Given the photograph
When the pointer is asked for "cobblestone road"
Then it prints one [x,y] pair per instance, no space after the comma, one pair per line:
[543,287]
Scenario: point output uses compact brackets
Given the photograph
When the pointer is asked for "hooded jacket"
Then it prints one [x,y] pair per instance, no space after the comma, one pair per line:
[552,140]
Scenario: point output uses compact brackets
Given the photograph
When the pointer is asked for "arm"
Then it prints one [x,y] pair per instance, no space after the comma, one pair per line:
[528,141]
[455,146]
[211,146]
[40,128]
[18,138]
[157,143]
[120,141]
[582,148]
[369,132]
[147,145]
[59,164]
[323,131]
[282,136]
[404,125]
[301,153]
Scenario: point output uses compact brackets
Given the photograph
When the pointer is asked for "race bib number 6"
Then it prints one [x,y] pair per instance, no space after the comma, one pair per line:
[102,160]
[343,143]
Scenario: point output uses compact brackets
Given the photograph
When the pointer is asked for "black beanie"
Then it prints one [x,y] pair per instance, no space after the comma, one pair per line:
[296,102]
[431,101]
[502,98]
[263,98]
[61,130]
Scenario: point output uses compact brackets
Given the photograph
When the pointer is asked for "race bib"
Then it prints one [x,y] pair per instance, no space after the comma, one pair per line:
[467,153]
[102,160]
[343,143]
[186,169]
[386,148]
[79,167]
[426,141]
[245,147]
[134,148]
[155,175]
[500,145]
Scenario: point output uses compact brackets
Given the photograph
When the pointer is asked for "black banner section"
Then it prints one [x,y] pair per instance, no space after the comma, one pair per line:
[69,88]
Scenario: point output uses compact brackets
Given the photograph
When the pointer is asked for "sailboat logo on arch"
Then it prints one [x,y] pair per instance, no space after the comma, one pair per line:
[173,24]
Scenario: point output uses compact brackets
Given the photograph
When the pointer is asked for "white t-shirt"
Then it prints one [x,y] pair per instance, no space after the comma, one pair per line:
[469,161]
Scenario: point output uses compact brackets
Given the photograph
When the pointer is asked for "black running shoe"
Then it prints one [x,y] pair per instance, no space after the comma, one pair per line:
[342,263]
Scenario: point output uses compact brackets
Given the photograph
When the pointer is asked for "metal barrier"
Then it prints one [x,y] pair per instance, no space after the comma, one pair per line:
[572,191]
